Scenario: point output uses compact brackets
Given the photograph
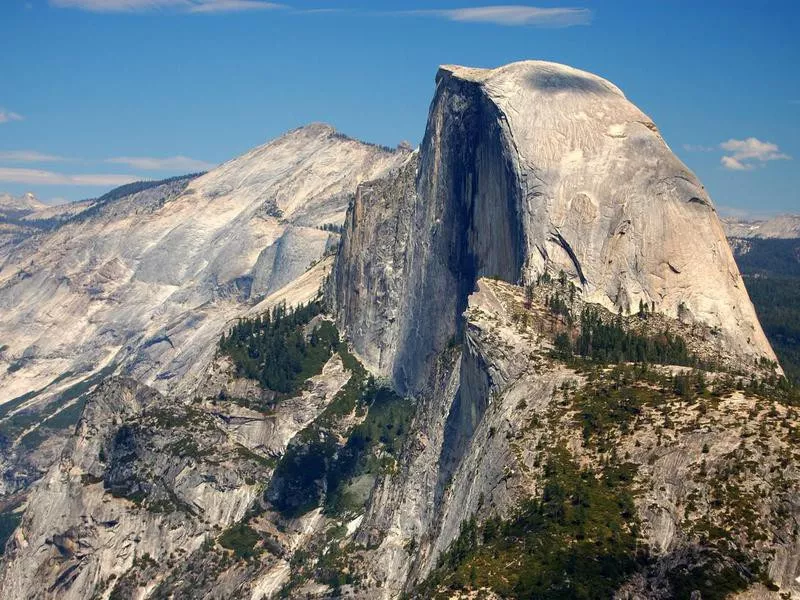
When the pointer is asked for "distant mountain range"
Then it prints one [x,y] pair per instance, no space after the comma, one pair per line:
[781,227]
[26,203]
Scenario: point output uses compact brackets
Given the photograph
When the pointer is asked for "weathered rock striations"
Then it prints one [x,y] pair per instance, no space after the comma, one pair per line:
[144,481]
[528,169]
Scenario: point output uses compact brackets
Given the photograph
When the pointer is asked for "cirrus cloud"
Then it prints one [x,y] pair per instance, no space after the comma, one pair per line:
[219,6]
[512,15]
[187,6]
[747,153]
[39,177]
[29,156]
[173,163]
[6,116]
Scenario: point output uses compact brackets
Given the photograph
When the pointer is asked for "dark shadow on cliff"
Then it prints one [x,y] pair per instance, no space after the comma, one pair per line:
[552,83]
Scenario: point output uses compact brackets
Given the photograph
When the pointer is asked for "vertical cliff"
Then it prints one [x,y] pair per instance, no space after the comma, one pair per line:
[525,171]
[531,168]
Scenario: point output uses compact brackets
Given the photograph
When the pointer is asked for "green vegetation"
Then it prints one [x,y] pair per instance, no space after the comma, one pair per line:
[771,258]
[777,302]
[558,306]
[242,539]
[579,537]
[298,483]
[274,349]
[9,521]
[715,576]
[372,447]
[331,227]
[317,471]
[577,541]
[324,560]
[601,337]
[610,342]
[771,269]
[13,426]
[126,190]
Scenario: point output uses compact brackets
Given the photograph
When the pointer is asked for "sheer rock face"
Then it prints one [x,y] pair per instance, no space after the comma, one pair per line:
[148,281]
[528,168]
[486,415]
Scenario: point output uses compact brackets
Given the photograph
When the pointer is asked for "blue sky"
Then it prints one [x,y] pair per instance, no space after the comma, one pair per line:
[96,92]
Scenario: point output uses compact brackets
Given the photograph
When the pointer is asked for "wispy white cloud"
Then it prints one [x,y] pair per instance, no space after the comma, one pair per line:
[323,11]
[29,156]
[178,163]
[6,116]
[186,6]
[747,153]
[173,163]
[698,148]
[118,5]
[512,15]
[218,6]
[38,177]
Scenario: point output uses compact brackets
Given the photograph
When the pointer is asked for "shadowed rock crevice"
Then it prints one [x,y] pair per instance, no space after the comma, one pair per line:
[468,221]
[559,239]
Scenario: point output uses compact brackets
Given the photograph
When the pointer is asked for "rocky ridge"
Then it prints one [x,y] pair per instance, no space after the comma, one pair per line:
[147,282]
[143,280]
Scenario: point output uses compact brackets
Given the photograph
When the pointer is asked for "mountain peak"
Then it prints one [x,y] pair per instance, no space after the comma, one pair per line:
[315,128]
[28,202]
[535,76]
[780,227]
[548,170]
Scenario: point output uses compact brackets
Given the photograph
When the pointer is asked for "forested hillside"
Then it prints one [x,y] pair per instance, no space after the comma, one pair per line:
[771,268]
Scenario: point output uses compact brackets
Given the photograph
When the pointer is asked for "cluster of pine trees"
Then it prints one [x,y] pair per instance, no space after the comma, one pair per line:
[577,541]
[274,349]
[332,227]
[610,342]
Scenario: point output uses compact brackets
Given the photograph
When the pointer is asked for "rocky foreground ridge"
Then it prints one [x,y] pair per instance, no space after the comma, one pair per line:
[532,370]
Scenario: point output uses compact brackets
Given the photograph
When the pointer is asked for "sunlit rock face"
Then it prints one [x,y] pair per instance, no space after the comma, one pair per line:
[147,282]
[530,168]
